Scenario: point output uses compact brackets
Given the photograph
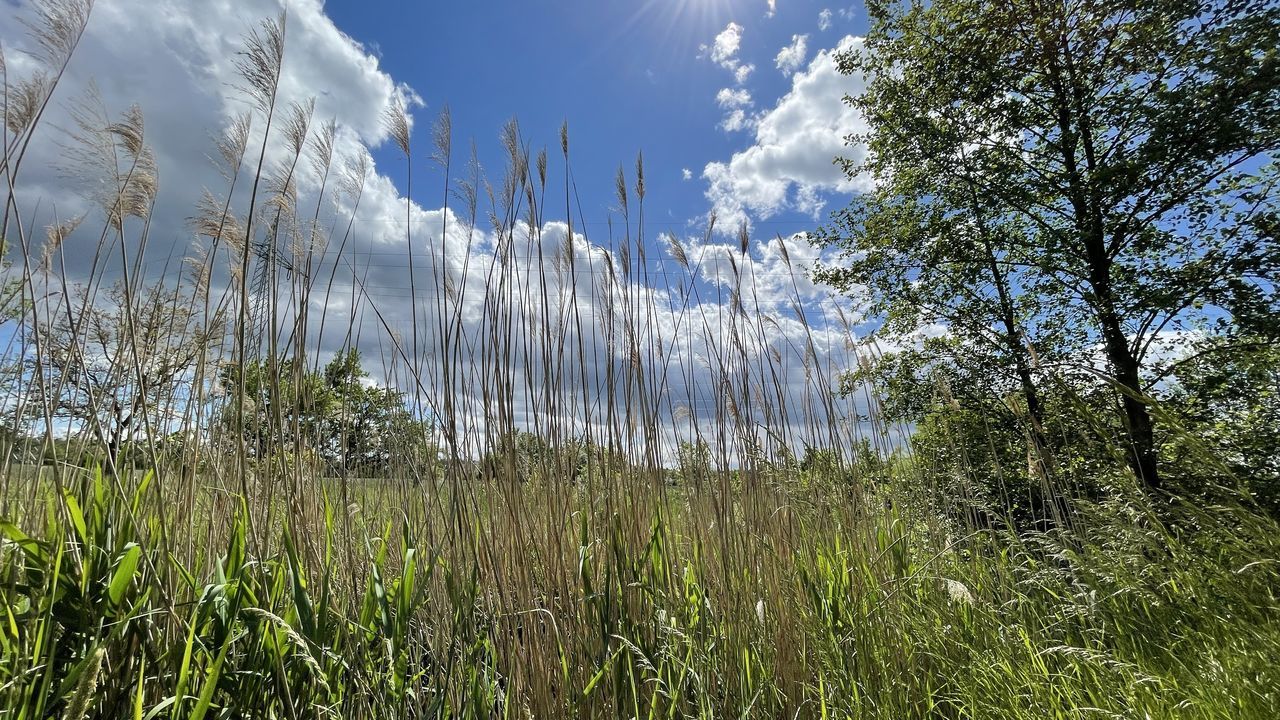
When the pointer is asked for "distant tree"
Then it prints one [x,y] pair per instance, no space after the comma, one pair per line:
[1080,176]
[370,425]
[352,423]
[119,365]
[693,460]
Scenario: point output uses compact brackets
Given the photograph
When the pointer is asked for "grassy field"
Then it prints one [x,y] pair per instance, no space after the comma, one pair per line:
[550,530]
[626,599]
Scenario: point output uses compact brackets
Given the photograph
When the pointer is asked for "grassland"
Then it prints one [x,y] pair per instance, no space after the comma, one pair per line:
[213,560]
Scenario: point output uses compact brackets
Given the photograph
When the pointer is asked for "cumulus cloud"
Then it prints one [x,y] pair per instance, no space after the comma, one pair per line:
[791,164]
[791,57]
[824,19]
[686,174]
[736,103]
[176,59]
[733,98]
[723,51]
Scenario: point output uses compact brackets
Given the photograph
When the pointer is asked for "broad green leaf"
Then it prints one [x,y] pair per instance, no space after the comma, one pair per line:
[125,570]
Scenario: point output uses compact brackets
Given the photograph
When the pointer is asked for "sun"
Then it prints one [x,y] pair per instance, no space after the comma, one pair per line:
[685,24]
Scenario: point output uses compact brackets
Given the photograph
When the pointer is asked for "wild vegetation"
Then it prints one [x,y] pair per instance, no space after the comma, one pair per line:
[207,511]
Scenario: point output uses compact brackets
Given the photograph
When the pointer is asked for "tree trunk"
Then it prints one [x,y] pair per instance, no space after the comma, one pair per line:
[1012,337]
[1077,135]
[1142,444]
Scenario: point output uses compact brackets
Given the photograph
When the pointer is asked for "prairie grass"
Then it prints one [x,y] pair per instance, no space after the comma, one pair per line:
[540,548]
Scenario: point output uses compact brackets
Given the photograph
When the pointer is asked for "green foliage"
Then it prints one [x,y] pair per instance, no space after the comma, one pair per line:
[693,460]
[1069,178]
[1228,402]
[71,595]
[553,573]
[857,613]
[351,423]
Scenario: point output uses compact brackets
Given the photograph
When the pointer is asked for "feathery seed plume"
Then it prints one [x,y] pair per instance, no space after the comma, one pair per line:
[260,62]
[396,122]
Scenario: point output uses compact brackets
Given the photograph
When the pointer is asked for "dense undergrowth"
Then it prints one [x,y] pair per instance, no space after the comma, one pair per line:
[539,601]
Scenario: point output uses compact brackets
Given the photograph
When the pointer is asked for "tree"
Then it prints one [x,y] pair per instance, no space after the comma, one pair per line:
[693,461]
[930,256]
[1229,405]
[1109,166]
[969,432]
[350,422]
[369,425]
[118,367]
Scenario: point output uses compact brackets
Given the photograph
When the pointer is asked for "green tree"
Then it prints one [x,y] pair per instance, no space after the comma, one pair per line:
[970,434]
[352,423]
[1229,403]
[693,461]
[1082,176]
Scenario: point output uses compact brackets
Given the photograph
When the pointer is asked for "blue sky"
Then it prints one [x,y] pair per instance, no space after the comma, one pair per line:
[735,104]
[628,77]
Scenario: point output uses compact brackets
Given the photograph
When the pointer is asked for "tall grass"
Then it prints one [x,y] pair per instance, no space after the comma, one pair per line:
[156,564]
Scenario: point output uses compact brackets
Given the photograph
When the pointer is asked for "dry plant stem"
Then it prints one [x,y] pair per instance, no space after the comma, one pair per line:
[262,70]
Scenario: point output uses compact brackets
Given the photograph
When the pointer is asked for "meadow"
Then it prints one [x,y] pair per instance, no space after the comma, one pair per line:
[211,509]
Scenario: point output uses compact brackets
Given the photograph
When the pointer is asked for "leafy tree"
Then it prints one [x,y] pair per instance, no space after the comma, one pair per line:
[352,423]
[1230,406]
[969,435]
[693,461]
[1076,176]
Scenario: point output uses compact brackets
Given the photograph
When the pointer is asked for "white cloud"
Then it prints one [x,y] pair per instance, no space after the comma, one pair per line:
[791,57]
[824,19]
[176,60]
[846,13]
[791,163]
[773,8]
[686,174]
[724,50]
[735,120]
[737,104]
[733,98]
